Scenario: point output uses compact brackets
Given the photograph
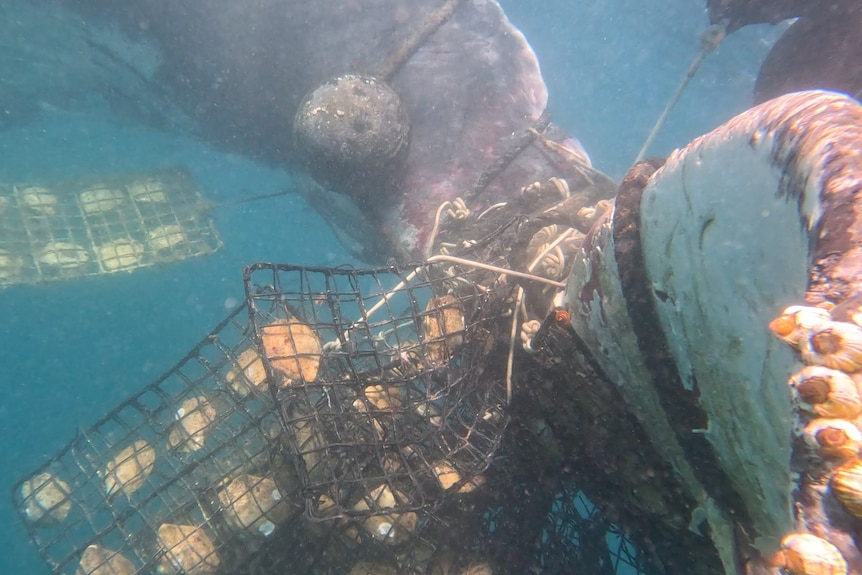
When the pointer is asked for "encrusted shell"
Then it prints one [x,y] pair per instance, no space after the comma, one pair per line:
[834,344]
[46,497]
[828,392]
[834,438]
[442,327]
[120,254]
[195,418]
[100,200]
[253,503]
[40,200]
[186,549]
[392,528]
[247,373]
[806,554]
[98,560]
[846,485]
[128,471]
[164,238]
[293,348]
[148,192]
[63,255]
[796,321]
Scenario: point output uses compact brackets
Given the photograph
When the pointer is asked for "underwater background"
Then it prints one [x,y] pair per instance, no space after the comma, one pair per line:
[70,351]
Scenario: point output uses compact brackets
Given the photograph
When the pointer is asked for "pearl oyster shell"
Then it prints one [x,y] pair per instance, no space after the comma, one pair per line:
[63,255]
[442,327]
[39,200]
[120,254]
[392,528]
[253,503]
[293,348]
[100,200]
[98,560]
[247,374]
[128,471]
[148,192]
[195,418]
[186,549]
[46,497]
[166,237]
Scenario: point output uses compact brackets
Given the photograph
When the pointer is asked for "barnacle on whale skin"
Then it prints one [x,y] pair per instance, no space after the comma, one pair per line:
[837,439]
[796,322]
[827,392]
[806,554]
[846,485]
[834,344]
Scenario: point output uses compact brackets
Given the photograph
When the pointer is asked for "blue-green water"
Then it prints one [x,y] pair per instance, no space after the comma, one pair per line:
[70,351]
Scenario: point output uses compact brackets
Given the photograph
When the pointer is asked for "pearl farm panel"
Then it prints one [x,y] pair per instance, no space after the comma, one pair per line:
[70,229]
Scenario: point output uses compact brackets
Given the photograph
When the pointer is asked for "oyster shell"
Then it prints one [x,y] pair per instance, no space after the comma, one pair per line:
[10,266]
[98,560]
[166,237]
[247,374]
[293,348]
[128,471]
[46,497]
[148,192]
[443,327]
[119,254]
[186,549]
[195,418]
[39,200]
[372,568]
[254,503]
[63,255]
[100,200]
[392,528]
[447,477]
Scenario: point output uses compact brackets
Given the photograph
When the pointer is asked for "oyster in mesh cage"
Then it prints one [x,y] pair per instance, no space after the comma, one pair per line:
[186,549]
[163,238]
[148,192]
[391,528]
[39,200]
[128,471]
[248,373]
[10,266]
[292,348]
[63,255]
[98,560]
[254,503]
[119,254]
[195,419]
[100,200]
[45,497]
[443,327]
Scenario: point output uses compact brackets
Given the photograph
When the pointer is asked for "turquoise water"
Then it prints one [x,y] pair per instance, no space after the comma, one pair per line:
[70,351]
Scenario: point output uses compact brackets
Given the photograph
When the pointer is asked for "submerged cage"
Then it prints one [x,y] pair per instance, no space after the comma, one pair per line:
[356,425]
[383,383]
[69,229]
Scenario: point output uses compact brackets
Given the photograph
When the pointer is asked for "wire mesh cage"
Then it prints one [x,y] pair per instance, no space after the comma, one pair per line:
[68,229]
[383,384]
[189,475]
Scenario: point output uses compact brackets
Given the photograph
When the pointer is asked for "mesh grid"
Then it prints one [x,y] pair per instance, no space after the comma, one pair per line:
[383,385]
[65,230]
[187,473]
[217,468]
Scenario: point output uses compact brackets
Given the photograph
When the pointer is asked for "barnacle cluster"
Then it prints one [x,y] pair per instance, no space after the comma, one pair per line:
[827,395]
